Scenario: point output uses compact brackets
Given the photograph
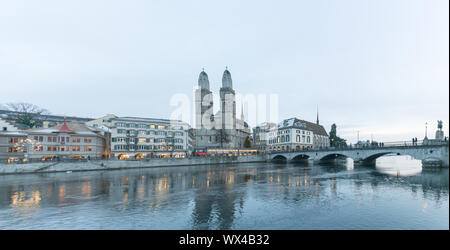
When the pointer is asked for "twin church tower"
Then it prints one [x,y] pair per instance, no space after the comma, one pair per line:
[223,129]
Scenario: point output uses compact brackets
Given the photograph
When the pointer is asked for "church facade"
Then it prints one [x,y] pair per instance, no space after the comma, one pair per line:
[220,130]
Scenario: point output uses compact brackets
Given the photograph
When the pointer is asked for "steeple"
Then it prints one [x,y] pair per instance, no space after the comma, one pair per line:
[317,121]
[203,81]
[226,79]
[64,128]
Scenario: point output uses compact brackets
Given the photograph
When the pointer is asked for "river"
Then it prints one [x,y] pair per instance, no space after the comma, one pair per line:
[396,193]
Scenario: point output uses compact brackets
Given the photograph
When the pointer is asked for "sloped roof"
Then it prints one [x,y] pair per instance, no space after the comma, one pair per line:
[297,123]
[75,127]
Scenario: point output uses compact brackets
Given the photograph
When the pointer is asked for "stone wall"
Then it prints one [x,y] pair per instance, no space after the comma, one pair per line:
[117,164]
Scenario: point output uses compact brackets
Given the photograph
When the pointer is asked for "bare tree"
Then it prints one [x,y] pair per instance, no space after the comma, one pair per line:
[27,113]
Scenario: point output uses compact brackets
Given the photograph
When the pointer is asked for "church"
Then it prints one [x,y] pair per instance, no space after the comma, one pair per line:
[221,130]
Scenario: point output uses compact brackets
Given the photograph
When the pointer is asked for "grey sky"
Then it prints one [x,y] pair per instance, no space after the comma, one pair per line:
[380,67]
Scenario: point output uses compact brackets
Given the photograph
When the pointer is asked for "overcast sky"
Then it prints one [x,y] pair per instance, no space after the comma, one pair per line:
[381,67]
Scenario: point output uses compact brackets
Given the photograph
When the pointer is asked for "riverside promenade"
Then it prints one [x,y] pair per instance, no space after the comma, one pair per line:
[93,165]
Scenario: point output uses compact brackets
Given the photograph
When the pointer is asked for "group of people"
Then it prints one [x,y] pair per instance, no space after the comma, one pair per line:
[414,141]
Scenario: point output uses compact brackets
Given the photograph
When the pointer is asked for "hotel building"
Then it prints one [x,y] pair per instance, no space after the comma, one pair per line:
[133,137]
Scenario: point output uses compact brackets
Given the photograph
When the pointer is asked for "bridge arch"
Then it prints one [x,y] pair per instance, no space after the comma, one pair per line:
[279,159]
[333,156]
[300,157]
[374,157]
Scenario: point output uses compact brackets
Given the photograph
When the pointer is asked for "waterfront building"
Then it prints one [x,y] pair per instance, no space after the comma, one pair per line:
[134,137]
[67,141]
[10,140]
[222,129]
[260,134]
[295,134]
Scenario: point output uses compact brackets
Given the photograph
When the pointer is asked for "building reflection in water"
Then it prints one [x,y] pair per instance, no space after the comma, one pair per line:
[214,195]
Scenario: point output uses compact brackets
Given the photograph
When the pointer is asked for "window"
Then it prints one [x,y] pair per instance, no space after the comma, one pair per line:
[298,138]
[76,139]
[87,139]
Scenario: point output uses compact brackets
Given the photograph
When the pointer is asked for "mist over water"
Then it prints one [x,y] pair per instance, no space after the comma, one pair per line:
[395,194]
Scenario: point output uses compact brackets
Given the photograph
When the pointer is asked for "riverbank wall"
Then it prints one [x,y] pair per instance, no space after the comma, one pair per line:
[93,165]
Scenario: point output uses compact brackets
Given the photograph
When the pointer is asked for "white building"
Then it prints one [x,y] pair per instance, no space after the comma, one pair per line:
[295,134]
[261,133]
[133,137]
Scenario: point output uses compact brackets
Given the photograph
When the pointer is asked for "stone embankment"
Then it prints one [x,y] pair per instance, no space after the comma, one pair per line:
[46,167]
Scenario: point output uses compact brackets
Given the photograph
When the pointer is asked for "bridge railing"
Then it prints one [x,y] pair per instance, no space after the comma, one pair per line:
[374,145]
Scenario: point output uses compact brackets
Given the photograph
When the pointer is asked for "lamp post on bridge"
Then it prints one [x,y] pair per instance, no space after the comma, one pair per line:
[426,124]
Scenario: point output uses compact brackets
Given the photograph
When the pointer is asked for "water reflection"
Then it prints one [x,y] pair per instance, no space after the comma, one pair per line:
[247,196]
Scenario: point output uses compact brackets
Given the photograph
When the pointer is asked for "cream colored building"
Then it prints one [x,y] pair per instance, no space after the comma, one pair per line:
[295,134]
[134,137]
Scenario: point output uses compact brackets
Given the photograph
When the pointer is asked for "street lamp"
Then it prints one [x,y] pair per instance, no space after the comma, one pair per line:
[426,124]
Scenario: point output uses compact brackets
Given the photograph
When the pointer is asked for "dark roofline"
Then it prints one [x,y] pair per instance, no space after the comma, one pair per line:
[48,117]
[316,128]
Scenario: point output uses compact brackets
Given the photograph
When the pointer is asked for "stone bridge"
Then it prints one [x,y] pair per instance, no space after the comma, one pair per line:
[433,153]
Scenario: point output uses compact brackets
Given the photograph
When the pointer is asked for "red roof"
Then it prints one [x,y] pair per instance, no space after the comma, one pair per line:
[64,128]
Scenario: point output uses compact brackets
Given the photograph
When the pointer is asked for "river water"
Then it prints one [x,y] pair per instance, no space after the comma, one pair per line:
[395,194]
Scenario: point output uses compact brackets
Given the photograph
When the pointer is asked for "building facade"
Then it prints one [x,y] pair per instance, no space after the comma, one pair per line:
[221,130]
[11,139]
[133,137]
[67,141]
[261,133]
[295,134]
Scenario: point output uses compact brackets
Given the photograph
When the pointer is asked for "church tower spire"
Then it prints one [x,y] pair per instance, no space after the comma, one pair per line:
[317,121]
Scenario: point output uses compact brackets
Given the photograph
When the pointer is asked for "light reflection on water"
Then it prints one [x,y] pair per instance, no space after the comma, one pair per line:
[394,194]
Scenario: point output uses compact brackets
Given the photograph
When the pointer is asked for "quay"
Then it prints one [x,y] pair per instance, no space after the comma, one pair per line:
[94,165]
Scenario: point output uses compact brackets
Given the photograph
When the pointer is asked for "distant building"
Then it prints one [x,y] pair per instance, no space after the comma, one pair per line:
[45,121]
[295,134]
[134,137]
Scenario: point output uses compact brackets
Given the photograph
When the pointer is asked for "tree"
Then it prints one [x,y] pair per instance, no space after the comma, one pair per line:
[336,141]
[247,142]
[27,113]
